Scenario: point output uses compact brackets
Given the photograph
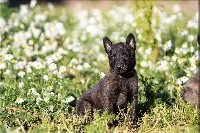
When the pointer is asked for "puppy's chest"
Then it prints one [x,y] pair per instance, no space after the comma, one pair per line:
[124,85]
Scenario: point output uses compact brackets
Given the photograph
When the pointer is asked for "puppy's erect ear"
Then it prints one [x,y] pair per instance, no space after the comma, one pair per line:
[130,40]
[107,44]
[198,39]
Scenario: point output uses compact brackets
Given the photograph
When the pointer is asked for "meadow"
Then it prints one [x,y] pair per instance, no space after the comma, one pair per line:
[49,56]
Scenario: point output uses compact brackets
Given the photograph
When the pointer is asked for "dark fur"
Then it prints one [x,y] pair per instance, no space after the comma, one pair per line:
[119,87]
[191,92]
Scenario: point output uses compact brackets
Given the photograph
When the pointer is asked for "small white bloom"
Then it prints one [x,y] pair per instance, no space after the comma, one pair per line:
[86,65]
[148,51]
[21,84]
[102,74]
[33,3]
[167,45]
[23,9]
[51,107]
[62,69]
[33,91]
[184,33]
[8,57]
[191,38]
[50,6]
[162,65]
[46,99]
[19,100]
[192,24]
[170,87]
[2,66]
[182,80]
[37,65]
[21,74]
[7,72]
[49,88]
[20,65]
[52,66]
[69,99]
[177,51]
[191,49]
[38,99]
[176,8]
[79,67]
[143,64]
[28,70]
[45,77]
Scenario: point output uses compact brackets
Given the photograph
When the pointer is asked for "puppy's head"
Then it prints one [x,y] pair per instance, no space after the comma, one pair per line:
[121,55]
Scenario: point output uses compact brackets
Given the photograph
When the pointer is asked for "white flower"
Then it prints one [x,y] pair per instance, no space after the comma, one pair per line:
[176,8]
[40,18]
[28,70]
[49,88]
[19,100]
[174,58]
[2,1]
[7,72]
[162,65]
[8,57]
[184,33]
[52,66]
[20,65]
[2,23]
[69,99]
[191,49]
[148,51]
[86,65]
[37,65]
[192,24]
[21,74]
[167,45]
[21,84]
[23,9]
[33,3]
[51,107]
[33,91]
[46,99]
[62,69]
[2,66]
[79,67]
[190,38]
[50,6]
[45,77]
[102,74]
[38,99]
[143,63]
[177,51]
[182,80]
[170,87]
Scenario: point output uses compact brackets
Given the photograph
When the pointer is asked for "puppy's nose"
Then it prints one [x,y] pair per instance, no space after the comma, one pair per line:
[119,67]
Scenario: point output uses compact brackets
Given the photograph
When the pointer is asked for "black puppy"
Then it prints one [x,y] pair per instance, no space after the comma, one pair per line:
[119,87]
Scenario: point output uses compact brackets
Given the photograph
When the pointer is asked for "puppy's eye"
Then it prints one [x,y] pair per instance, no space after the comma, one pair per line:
[112,57]
[125,56]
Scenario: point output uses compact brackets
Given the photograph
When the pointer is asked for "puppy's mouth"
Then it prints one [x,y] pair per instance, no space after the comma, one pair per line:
[120,70]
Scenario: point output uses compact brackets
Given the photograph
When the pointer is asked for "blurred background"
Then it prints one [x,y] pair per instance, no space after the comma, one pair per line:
[52,50]
[189,7]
